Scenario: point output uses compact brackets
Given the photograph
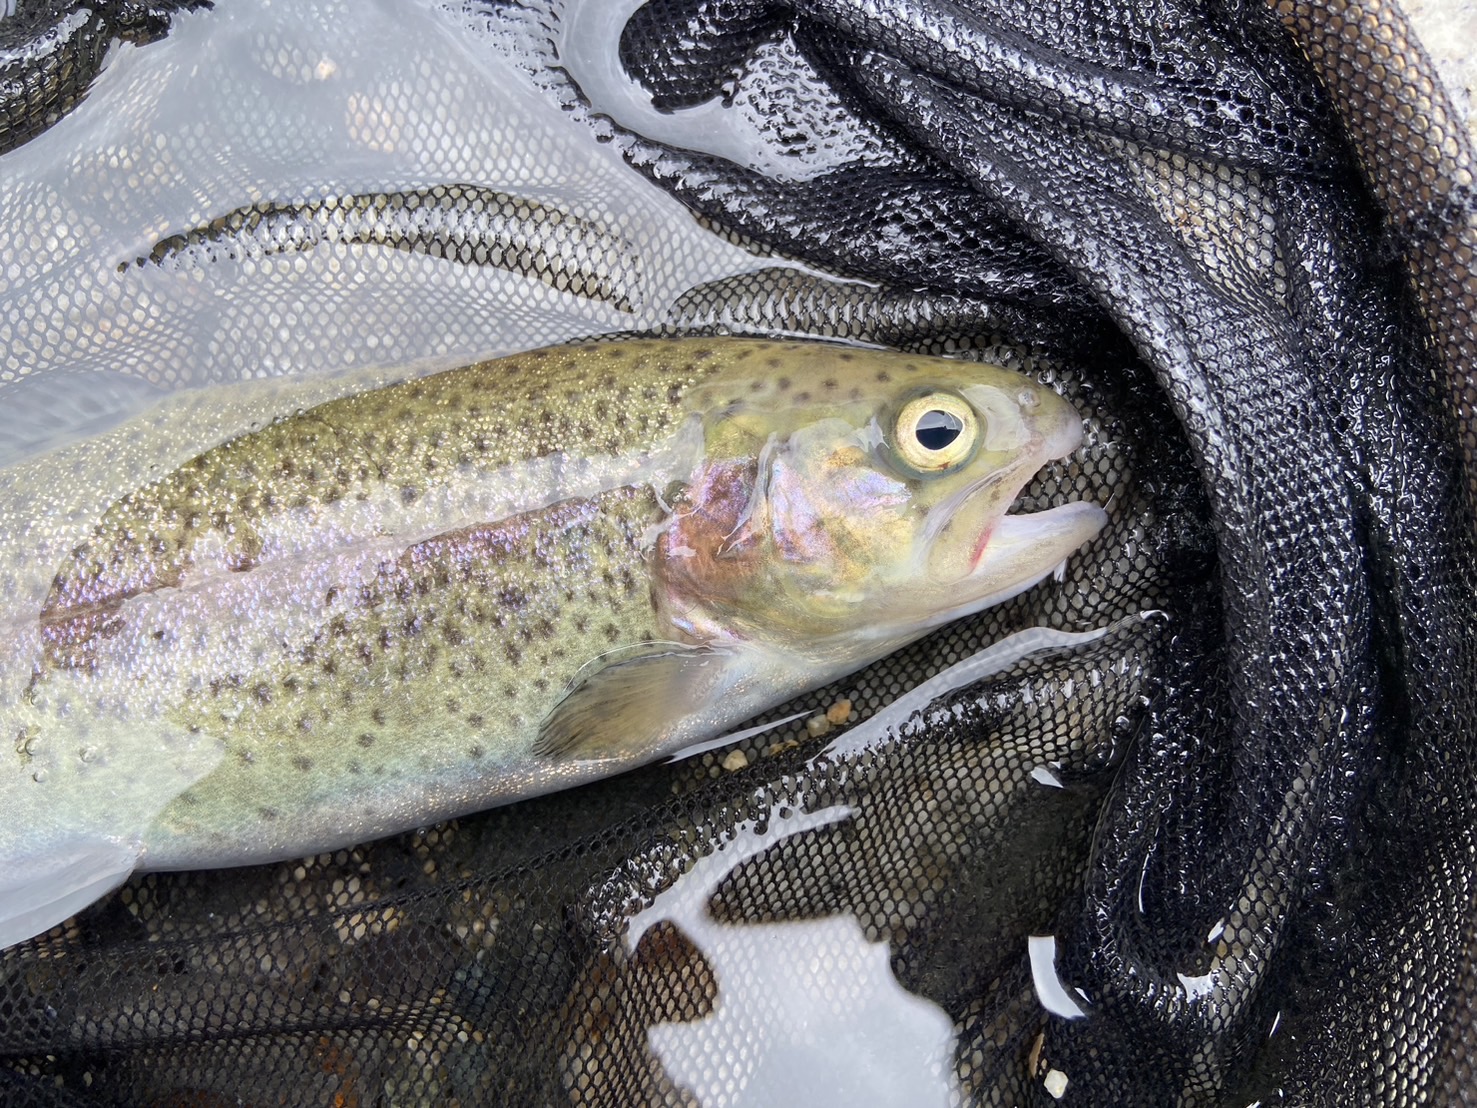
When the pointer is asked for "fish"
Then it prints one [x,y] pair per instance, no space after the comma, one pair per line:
[426,599]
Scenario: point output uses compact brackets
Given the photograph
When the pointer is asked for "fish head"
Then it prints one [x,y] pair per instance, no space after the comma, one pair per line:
[868,506]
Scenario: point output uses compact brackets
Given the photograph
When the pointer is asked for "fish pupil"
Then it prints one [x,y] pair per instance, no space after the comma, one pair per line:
[937,429]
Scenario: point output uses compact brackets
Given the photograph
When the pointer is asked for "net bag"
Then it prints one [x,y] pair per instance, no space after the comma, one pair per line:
[1203,836]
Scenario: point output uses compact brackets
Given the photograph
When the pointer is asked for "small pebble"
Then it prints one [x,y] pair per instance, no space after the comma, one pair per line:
[1056,1084]
[735,761]
[839,712]
[1033,1059]
[818,726]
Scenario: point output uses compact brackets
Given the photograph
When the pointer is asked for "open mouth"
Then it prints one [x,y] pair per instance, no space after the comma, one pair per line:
[1037,536]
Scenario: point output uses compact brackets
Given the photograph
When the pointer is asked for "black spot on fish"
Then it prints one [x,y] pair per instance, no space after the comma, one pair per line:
[475,751]
[476,720]
[366,740]
[884,376]
[782,384]
[302,763]
[268,814]
[512,653]
[409,494]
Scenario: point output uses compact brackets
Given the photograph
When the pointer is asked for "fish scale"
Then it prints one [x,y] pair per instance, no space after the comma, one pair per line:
[437,665]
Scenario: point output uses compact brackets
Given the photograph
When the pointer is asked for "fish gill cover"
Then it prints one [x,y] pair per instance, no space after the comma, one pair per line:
[1199,827]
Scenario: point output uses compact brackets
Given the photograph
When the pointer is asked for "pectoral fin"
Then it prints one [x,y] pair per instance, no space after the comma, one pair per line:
[635,704]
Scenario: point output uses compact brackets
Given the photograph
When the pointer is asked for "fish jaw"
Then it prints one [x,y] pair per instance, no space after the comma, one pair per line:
[988,563]
[1021,550]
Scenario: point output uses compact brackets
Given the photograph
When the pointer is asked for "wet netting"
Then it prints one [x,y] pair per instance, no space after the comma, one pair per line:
[1220,851]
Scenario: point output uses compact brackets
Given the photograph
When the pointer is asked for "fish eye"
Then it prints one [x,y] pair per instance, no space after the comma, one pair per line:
[936,431]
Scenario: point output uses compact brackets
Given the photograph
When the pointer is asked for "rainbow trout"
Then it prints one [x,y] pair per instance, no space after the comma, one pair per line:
[423,600]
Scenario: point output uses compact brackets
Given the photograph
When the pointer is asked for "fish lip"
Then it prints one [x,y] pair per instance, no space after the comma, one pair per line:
[1067,525]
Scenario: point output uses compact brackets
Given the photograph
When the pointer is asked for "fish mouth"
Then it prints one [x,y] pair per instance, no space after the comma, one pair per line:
[1036,540]
[1010,556]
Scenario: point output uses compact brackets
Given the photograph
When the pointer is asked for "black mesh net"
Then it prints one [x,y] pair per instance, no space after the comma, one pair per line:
[1212,843]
